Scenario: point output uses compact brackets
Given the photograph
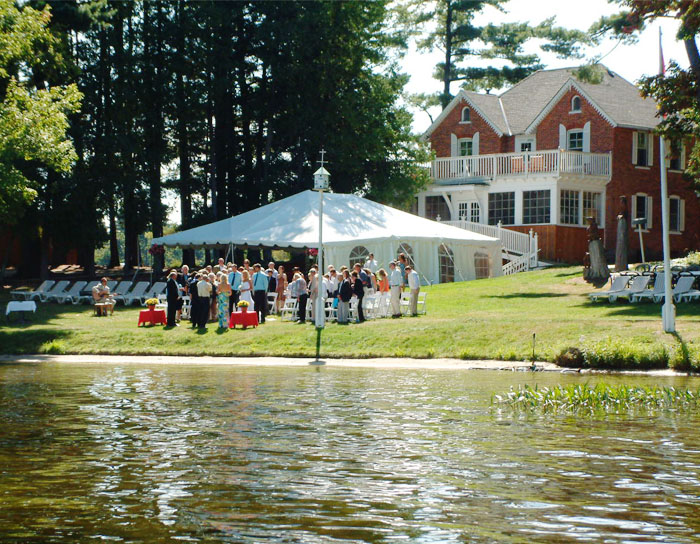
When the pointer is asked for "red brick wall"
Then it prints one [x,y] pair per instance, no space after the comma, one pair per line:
[548,129]
[628,179]
[441,141]
[559,243]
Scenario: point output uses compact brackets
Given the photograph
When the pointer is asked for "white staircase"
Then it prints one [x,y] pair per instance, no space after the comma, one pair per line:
[519,249]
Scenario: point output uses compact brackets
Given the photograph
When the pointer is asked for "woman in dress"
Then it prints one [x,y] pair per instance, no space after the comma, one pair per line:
[281,288]
[223,292]
[247,290]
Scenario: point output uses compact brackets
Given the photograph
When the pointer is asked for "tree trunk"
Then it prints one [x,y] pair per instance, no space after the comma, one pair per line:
[447,73]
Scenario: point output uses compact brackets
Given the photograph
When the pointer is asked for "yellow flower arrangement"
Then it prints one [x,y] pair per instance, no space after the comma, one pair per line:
[151,301]
[243,304]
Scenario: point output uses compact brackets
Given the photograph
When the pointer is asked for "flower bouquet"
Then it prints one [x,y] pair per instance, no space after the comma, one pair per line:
[151,303]
[156,249]
[243,305]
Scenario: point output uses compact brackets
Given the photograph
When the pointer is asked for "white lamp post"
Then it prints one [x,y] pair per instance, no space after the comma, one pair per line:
[321,177]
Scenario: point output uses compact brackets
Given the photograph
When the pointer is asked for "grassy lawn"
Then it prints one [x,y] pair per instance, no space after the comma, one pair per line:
[482,319]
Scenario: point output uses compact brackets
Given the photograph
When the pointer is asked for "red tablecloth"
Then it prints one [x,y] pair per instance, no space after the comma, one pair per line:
[152,316]
[246,319]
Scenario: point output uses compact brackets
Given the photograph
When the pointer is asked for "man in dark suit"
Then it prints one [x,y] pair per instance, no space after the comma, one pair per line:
[172,292]
[260,284]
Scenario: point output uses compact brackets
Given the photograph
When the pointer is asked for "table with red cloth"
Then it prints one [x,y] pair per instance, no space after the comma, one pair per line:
[154,317]
[246,319]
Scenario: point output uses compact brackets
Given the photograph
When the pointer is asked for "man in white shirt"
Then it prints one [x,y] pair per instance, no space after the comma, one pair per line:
[395,283]
[371,263]
[414,287]
[203,301]
[260,284]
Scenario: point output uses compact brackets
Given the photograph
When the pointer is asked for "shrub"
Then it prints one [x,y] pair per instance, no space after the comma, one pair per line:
[55,347]
[615,354]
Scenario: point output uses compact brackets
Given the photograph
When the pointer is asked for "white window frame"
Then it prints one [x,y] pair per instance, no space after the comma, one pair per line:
[681,214]
[598,208]
[681,158]
[650,148]
[577,205]
[574,109]
[468,120]
[649,210]
[568,138]
[460,141]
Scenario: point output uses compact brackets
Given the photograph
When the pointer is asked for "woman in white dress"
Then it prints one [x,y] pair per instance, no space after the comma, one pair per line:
[247,290]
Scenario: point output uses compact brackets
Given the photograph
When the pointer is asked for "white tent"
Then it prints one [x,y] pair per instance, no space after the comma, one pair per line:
[352,227]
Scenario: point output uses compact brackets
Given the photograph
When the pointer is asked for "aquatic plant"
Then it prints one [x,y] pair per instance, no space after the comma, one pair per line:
[597,398]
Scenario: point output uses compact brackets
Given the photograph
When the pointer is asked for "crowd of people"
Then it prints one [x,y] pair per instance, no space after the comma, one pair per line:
[217,290]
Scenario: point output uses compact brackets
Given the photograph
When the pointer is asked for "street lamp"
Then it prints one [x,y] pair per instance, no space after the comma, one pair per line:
[321,177]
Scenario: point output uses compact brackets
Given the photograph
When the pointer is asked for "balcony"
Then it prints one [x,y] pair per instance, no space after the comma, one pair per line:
[482,169]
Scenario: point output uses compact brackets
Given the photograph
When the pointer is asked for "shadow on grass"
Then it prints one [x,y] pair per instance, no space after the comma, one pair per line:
[529,295]
[642,309]
[24,340]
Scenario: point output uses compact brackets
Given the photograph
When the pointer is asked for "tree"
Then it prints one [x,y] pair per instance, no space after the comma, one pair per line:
[449,26]
[677,91]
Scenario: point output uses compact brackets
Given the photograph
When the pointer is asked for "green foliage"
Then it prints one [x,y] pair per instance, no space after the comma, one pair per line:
[599,398]
[614,353]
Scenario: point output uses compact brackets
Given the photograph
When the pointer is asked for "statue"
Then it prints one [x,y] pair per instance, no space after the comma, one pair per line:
[623,242]
[597,271]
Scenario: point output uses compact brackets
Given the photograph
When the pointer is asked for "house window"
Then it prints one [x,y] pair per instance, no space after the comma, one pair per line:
[676,156]
[575,140]
[447,264]
[592,207]
[436,206]
[525,147]
[536,207]
[642,209]
[466,147]
[469,211]
[482,265]
[466,115]
[641,154]
[569,207]
[676,214]
[502,208]
[358,254]
[576,104]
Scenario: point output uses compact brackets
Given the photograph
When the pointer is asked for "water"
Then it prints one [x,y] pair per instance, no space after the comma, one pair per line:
[158,454]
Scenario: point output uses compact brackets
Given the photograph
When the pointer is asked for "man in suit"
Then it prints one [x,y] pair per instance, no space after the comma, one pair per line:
[234,280]
[172,292]
[260,285]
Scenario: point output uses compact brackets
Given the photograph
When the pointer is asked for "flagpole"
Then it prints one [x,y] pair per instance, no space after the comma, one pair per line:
[668,311]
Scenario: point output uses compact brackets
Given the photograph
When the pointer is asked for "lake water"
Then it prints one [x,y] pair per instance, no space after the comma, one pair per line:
[156,454]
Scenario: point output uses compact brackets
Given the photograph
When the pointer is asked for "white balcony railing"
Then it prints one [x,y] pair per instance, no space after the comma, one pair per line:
[521,164]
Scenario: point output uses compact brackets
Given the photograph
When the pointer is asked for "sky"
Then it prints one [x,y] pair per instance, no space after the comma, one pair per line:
[630,61]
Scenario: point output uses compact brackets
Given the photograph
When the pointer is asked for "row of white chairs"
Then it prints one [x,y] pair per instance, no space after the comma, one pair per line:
[187,304]
[635,288]
[81,291]
[374,306]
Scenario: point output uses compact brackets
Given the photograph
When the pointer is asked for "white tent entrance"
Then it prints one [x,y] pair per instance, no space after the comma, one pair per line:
[352,226]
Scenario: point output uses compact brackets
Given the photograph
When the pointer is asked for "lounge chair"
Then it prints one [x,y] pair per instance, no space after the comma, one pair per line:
[619,284]
[135,294]
[121,288]
[156,289]
[683,288]
[74,291]
[636,285]
[36,293]
[85,293]
[651,294]
[57,289]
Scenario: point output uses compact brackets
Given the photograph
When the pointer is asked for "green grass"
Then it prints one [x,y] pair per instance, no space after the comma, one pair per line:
[483,319]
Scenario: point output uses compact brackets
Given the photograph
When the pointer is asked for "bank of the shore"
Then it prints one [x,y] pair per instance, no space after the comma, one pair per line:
[541,314]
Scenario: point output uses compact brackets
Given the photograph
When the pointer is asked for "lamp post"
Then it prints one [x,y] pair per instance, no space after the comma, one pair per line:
[321,177]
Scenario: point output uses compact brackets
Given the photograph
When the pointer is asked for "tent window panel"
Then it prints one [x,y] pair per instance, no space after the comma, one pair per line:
[482,265]
[436,206]
[447,264]
[502,208]
[359,254]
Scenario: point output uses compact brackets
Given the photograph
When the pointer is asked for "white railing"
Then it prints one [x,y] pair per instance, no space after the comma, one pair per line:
[516,245]
[522,164]
[521,264]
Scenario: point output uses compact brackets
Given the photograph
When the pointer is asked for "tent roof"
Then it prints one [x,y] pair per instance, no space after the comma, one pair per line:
[293,222]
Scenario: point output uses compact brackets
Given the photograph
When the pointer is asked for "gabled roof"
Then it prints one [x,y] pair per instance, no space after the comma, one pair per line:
[293,222]
[525,104]
[487,106]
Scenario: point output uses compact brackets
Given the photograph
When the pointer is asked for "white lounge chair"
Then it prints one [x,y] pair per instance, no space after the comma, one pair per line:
[651,294]
[36,293]
[74,291]
[85,293]
[135,294]
[121,288]
[636,285]
[619,284]
[57,289]
[156,289]
[683,288]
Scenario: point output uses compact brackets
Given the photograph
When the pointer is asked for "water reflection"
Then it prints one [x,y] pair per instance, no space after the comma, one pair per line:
[213,454]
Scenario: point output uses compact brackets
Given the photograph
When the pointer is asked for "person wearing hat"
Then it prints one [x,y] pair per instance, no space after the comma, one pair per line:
[395,283]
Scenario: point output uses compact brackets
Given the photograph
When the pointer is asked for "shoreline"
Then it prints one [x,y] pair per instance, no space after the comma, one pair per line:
[379,363]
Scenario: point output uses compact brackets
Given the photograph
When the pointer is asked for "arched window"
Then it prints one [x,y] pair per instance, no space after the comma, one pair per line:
[447,264]
[482,265]
[466,115]
[576,104]
[358,254]
[408,251]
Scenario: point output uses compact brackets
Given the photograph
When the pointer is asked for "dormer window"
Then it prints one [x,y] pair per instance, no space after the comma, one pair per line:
[466,115]
[576,104]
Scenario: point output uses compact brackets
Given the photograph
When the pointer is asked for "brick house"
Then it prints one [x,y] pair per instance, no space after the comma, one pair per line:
[552,151]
